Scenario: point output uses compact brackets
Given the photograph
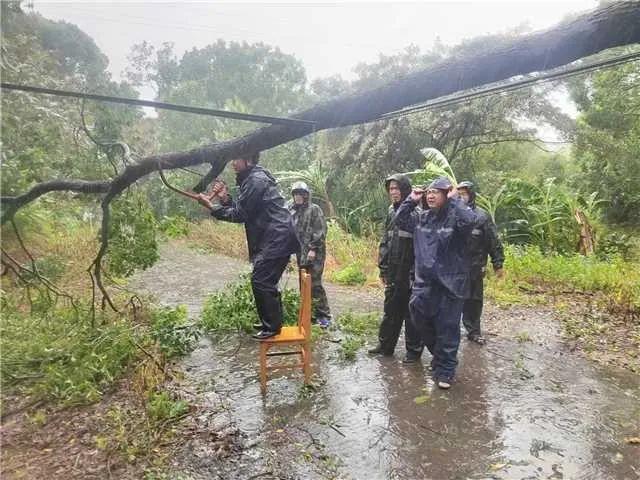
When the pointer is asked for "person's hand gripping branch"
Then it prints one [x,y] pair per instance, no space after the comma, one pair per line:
[219,194]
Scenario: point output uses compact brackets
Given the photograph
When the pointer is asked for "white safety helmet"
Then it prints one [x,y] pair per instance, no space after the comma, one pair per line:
[300,187]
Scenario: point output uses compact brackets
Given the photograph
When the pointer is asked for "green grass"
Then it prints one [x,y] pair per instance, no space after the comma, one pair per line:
[352,274]
[530,270]
[352,260]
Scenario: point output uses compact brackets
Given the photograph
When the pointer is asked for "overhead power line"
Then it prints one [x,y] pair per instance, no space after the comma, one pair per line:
[162,105]
[513,85]
[429,105]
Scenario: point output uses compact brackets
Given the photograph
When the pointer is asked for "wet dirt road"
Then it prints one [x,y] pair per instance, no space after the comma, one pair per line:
[523,407]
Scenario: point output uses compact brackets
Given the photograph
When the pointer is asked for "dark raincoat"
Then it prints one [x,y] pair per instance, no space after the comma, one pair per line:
[311,229]
[271,238]
[268,226]
[395,261]
[440,244]
[442,264]
[483,241]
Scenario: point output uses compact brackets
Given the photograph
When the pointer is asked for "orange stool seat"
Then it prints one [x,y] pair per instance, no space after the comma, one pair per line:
[298,336]
[288,334]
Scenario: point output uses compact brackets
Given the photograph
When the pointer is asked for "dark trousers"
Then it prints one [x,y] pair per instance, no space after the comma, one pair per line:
[264,282]
[396,311]
[437,313]
[472,310]
[318,294]
[320,302]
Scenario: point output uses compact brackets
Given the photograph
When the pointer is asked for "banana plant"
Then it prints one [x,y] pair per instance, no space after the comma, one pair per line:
[491,203]
[436,165]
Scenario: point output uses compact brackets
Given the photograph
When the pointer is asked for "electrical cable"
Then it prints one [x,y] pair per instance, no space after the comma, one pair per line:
[161,105]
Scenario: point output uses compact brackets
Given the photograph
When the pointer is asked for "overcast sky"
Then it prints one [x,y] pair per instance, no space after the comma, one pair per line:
[329,38]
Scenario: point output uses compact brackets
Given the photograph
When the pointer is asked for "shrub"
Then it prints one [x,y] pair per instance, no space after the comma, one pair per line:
[55,355]
[161,407]
[132,235]
[615,244]
[175,336]
[349,347]
[175,227]
[352,274]
[234,308]
[356,327]
[358,324]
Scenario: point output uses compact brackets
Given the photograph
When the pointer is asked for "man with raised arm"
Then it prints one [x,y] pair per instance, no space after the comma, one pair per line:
[442,266]
[271,237]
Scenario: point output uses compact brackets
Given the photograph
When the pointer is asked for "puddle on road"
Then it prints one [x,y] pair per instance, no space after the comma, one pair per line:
[528,410]
[516,412]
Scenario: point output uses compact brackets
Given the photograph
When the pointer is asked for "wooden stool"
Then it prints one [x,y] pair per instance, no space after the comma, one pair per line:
[298,336]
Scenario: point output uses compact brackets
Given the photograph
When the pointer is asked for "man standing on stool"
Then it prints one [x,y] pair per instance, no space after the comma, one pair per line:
[271,237]
[395,260]
[312,233]
[442,266]
[483,242]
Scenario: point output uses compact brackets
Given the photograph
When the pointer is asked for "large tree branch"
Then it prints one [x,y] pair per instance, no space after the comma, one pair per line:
[611,26]
[12,204]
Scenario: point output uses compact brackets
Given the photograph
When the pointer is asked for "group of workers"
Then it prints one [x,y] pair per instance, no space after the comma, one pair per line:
[432,258]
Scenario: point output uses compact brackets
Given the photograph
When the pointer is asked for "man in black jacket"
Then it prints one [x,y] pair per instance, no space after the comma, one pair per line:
[483,242]
[271,236]
[395,260]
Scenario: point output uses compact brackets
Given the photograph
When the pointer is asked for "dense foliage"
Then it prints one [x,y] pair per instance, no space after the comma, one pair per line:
[607,146]
[132,235]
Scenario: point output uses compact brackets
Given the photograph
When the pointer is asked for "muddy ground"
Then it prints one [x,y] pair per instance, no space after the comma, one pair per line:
[524,406]
[528,405]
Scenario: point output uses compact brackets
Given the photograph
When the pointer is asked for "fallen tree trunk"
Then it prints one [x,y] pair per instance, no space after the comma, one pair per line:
[593,32]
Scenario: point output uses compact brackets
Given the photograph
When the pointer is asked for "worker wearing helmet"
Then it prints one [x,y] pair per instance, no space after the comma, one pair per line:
[483,242]
[312,233]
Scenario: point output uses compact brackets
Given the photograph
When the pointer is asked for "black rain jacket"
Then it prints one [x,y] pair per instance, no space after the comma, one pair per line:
[259,205]
[395,252]
[484,239]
